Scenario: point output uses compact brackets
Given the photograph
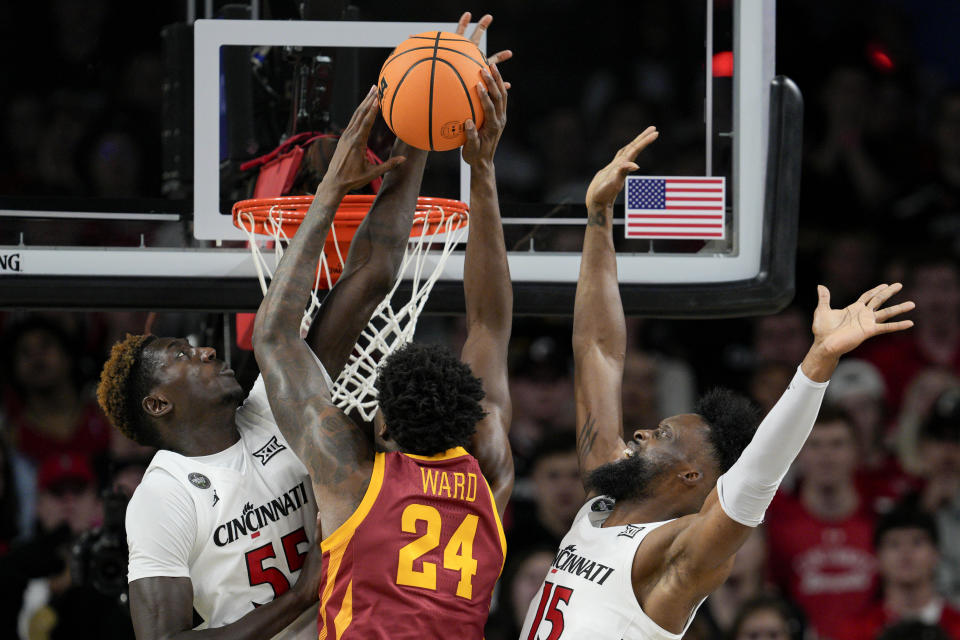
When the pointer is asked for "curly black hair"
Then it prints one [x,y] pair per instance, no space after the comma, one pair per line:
[732,419]
[430,400]
[124,382]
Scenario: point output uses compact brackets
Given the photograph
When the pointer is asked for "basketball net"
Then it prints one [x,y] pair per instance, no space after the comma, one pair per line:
[437,229]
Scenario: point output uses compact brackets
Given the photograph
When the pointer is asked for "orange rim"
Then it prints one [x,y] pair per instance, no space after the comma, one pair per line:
[289,212]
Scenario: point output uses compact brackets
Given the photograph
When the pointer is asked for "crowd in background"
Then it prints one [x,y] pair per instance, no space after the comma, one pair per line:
[863,540]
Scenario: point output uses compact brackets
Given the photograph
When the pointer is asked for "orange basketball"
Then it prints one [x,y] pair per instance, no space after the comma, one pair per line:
[428,89]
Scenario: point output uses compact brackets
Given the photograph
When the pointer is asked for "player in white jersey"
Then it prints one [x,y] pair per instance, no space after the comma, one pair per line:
[669,509]
[225,518]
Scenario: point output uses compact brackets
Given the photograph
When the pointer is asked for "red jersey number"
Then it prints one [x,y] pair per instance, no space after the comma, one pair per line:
[552,613]
[259,574]
[457,555]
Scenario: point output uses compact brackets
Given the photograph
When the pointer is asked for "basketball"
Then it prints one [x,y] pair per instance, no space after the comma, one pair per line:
[428,89]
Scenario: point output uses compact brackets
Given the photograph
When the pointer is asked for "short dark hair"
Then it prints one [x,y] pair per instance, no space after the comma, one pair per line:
[830,413]
[790,617]
[913,630]
[124,382]
[906,516]
[430,400]
[732,419]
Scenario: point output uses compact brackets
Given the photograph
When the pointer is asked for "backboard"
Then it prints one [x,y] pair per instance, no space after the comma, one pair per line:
[183,252]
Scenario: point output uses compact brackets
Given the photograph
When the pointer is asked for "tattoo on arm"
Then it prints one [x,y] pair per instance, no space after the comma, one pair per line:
[597,219]
[586,437]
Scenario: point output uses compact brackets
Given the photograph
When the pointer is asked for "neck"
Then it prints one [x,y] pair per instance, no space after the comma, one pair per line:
[830,501]
[906,598]
[656,508]
[206,436]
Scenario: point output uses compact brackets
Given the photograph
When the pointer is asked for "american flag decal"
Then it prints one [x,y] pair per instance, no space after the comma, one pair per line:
[683,207]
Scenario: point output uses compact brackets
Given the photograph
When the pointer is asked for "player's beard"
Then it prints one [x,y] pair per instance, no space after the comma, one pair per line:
[627,479]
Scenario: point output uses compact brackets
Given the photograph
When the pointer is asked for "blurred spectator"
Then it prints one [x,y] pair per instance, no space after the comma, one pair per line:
[939,456]
[933,282]
[918,404]
[521,579]
[857,388]
[933,209]
[557,495]
[843,171]
[9,503]
[36,570]
[747,580]
[654,386]
[906,544]
[541,388]
[820,539]
[783,337]
[765,618]
[768,382]
[47,412]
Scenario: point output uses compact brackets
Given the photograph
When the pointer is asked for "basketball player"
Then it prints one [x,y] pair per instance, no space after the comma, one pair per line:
[414,542]
[668,510]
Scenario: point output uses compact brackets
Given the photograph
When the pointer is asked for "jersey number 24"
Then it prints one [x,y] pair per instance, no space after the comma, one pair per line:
[457,555]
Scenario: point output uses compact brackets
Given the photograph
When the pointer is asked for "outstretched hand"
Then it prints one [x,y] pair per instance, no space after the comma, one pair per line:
[349,167]
[609,181]
[482,144]
[482,25]
[839,331]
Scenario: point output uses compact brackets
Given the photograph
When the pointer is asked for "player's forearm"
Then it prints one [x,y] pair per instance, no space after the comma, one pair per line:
[265,621]
[818,365]
[281,311]
[746,489]
[486,277]
[598,321]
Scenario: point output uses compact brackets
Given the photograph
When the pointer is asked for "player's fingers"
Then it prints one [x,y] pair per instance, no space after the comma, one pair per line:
[869,294]
[884,294]
[500,56]
[885,314]
[647,136]
[369,117]
[628,167]
[491,85]
[482,25]
[890,327]
[463,22]
[489,109]
[378,170]
[823,297]
[470,130]
[508,85]
[501,88]
[360,111]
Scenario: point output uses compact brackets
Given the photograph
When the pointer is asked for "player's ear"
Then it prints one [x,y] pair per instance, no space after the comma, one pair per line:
[156,405]
[691,477]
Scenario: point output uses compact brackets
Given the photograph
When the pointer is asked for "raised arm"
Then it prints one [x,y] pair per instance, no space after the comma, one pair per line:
[702,551]
[377,248]
[599,329]
[337,454]
[488,292]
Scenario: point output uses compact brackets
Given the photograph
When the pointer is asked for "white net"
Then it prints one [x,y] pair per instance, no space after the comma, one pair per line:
[390,326]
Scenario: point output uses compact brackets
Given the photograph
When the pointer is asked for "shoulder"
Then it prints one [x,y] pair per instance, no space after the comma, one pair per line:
[158,493]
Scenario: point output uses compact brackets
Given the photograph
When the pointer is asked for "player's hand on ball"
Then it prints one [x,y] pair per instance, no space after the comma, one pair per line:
[482,25]
[609,181]
[349,167]
[838,331]
[482,144]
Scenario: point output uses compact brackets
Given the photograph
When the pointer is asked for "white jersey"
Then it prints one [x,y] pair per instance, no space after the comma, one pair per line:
[238,523]
[588,593]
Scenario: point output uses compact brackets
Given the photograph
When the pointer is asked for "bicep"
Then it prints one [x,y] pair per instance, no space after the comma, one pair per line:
[161,607]
[710,541]
[597,382]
